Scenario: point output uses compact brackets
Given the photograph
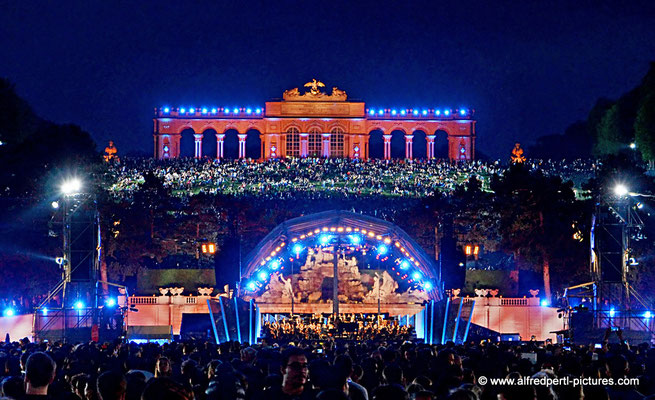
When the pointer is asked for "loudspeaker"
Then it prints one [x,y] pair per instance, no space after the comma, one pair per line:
[83,244]
[609,242]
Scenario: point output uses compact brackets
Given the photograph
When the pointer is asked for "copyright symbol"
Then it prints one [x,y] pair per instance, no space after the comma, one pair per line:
[482,380]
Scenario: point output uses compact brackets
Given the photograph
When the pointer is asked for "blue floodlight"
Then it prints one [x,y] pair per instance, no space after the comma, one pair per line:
[544,303]
[324,239]
[394,112]
[258,111]
[446,112]
[380,111]
[251,285]
[355,239]
[8,312]
[415,112]
[462,112]
[167,110]
[404,264]
[382,249]
[110,302]
[371,111]
[248,110]
[226,110]
[192,110]
[275,265]
[416,276]
[437,112]
[262,275]
[204,111]
[427,285]
[297,248]
[182,110]
[214,110]
[403,112]
[236,111]
[79,305]
[44,310]
[425,112]
[647,315]
[612,312]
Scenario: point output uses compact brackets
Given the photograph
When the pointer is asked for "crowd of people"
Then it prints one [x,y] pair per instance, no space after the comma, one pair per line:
[376,370]
[322,177]
[353,327]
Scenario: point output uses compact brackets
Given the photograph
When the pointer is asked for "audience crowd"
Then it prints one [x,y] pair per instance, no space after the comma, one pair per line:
[365,369]
[323,178]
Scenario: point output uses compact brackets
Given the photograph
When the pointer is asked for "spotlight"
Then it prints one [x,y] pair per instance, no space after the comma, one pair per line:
[167,110]
[214,111]
[192,110]
[262,275]
[79,305]
[371,112]
[204,111]
[415,112]
[44,310]
[404,264]
[236,111]
[427,285]
[633,145]
[403,112]
[416,276]
[182,110]
[251,285]
[446,112]
[8,312]
[355,239]
[640,205]
[425,112]
[381,111]
[72,186]
[248,110]
[275,265]
[462,112]
[55,204]
[59,260]
[393,112]
[258,111]
[110,302]
[545,303]
[382,249]
[612,312]
[437,112]
[297,248]
[620,190]
[324,239]
[226,110]
[647,315]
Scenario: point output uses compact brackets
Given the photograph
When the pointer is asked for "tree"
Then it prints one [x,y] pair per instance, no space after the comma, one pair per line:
[645,130]
[609,139]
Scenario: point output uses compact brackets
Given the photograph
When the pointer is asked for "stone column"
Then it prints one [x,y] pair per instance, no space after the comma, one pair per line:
[430,139]
[220,137]
[387,146]
[325,149]
[409,146]
[242,145]
[198,144]
[304,144]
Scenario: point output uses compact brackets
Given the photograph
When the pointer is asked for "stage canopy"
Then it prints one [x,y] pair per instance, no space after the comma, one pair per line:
[342,228]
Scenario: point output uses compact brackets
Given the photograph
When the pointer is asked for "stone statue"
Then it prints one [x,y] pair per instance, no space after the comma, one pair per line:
[456,292]
[163,291]
[493,292]
[207,291]
[314,87]
[481,292]
[338,94]
[288,290]
[291,94]
[534,292]
[517,154]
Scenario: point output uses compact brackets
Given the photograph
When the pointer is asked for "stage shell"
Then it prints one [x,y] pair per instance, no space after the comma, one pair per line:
[280,241]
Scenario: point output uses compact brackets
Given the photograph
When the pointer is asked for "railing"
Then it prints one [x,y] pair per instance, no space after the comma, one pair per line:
[514,302]
[143,300]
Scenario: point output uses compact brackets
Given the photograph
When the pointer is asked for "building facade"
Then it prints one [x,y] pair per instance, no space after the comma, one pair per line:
[316,124]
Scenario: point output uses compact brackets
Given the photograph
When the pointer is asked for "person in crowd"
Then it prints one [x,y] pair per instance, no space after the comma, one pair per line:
[112,386]
[39,374]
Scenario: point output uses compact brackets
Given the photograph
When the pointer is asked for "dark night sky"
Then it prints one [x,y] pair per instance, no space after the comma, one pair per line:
[528,68]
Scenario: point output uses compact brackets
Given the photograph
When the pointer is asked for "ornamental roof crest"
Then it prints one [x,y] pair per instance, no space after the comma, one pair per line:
[314,93]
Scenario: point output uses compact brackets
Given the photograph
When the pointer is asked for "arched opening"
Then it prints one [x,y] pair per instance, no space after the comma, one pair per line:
[209,148]
[187,143]
[314,142]
[375,145]
[293,142]
[398,144]
[253,144]
[231,144]
[419,145]
[441,145]
[336,143]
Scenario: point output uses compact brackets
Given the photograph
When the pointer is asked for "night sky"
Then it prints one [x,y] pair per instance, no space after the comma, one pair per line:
[529,69]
